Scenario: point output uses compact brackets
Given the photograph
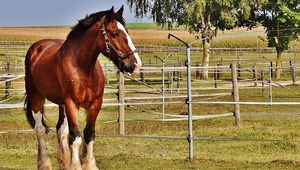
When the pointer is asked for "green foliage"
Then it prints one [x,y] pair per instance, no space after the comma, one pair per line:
[281,20]
[203,17]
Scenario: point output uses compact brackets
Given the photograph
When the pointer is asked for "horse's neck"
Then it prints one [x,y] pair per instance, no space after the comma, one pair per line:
[85,52]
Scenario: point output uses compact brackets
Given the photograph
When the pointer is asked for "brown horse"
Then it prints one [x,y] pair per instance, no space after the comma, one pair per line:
[68,73]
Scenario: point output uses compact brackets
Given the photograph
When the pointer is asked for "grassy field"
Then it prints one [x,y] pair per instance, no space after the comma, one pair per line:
[141,33]
[268,138]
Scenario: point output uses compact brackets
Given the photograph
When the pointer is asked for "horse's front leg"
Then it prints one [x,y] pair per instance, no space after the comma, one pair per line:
[88,161]
[75,137]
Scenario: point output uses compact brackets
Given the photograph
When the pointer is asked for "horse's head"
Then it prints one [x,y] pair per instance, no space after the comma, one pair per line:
[118,44]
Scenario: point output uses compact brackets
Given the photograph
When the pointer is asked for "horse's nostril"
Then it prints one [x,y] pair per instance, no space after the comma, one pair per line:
[134,65]
[130,67]
[127,68]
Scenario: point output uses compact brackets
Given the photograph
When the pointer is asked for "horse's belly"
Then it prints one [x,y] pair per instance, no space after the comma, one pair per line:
[47,85]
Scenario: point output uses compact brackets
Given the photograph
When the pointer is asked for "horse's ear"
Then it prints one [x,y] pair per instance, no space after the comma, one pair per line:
[120,11]
[110,16]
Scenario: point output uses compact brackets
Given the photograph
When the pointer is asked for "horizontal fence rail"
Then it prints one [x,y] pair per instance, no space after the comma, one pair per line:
[174,89]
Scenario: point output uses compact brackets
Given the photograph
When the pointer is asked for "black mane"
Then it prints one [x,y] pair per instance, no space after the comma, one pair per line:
[84,24]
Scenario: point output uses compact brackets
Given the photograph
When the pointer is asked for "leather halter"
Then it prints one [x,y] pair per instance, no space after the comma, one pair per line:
[109,46]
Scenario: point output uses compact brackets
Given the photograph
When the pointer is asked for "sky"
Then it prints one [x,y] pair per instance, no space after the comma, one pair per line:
[15,13]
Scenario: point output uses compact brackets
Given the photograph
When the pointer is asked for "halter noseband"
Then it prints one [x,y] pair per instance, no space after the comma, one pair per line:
[110,46]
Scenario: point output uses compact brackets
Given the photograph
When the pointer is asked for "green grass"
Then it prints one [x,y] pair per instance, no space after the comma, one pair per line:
[268,137]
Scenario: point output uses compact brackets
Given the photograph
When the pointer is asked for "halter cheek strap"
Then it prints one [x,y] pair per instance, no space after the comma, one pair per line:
[109,46]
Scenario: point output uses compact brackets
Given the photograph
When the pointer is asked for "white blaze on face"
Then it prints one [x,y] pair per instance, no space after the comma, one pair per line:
[132,47]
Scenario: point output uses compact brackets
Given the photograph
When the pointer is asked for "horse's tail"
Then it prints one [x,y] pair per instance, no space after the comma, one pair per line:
[28,112]
[29,115]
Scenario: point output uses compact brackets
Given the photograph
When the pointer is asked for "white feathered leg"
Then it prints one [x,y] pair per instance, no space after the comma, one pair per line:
[44,162]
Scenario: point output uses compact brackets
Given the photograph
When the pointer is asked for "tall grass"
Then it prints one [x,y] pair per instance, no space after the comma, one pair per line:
[238,43]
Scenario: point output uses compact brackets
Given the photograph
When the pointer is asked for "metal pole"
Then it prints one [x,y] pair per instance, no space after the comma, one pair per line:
[189,94]
[270,79]
[270,86]
[190,114]
[163,90]
[163,83]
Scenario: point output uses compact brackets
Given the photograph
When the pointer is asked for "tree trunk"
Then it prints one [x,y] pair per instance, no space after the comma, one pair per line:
[278,63]
[205,60]
[279,52]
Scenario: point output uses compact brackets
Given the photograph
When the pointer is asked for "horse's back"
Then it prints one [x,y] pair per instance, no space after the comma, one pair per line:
[37,49]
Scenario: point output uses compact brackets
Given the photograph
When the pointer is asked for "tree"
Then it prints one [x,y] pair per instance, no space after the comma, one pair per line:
[281,18]
[200,16]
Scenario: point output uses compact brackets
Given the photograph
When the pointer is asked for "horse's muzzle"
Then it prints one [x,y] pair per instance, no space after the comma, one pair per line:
[130,68]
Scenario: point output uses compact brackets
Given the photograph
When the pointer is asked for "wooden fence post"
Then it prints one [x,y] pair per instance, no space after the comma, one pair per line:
[142,77]
[238,65]
[121,102]
[7,83]
[271,65]
[215,77]
[106,74]
[262,81]
[293,75]
[235,94]
[218,72]
[198,71]
[255,75]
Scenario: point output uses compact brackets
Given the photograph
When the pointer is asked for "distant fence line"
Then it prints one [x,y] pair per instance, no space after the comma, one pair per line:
[19,48]
[13,55]
[236,51]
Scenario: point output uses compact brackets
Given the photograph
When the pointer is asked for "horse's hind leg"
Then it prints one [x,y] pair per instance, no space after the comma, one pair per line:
[37,107]
[62,130]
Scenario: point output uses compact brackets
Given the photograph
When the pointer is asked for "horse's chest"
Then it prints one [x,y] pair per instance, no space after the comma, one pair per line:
[86,92]
[82,88]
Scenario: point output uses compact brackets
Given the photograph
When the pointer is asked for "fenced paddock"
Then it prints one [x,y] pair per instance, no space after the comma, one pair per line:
[251,73]
[148,90]
[252,69]
[144,99]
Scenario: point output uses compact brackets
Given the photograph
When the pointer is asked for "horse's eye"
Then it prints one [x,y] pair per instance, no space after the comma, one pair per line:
[115,34]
